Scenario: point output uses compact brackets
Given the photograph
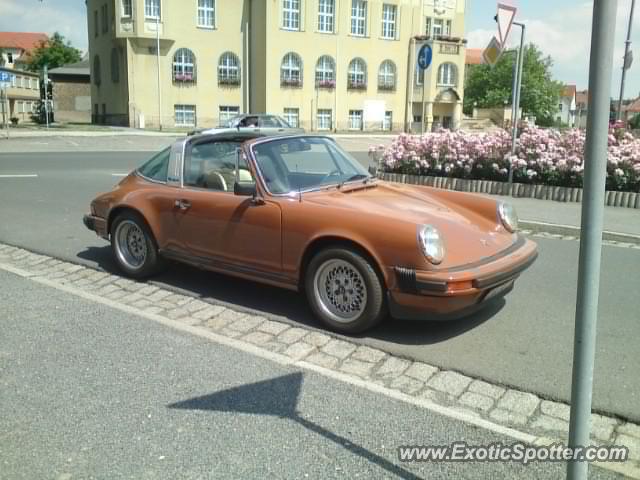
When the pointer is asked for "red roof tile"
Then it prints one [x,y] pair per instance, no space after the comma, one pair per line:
[474,56]
[21,40]
[569,91]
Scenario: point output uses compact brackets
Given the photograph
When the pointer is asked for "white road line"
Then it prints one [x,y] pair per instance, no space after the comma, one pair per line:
[25,175]
[119,174]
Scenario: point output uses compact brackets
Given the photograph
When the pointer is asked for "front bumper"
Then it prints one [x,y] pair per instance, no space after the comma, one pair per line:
[96,224]
[461,291]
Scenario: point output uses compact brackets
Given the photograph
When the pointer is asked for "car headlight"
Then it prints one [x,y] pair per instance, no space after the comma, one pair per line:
[431,243]
[508,216]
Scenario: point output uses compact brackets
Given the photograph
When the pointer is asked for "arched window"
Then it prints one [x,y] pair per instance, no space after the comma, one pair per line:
[291,70]
[357,74]
[97,76]
[447,75]
[115,65]
[229,69]
[326,72]
[184,66]
[387,75]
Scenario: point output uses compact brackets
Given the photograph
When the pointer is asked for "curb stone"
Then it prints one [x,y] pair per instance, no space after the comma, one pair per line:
[500,406]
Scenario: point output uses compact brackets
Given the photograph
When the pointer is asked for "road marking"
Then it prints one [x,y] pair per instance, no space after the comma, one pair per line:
[119,174]
[24,175]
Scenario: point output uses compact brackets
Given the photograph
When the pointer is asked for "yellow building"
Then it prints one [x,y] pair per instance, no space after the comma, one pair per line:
[321,64]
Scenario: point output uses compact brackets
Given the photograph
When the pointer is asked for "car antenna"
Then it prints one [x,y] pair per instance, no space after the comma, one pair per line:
[299,194]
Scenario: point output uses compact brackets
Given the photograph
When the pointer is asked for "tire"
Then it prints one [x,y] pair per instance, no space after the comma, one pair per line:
[133,245]
[344,290]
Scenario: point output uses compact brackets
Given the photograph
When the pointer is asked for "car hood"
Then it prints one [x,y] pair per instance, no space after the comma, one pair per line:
[458,224]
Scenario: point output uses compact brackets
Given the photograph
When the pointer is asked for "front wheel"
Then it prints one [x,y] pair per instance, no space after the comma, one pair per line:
[133,246]
[344,290]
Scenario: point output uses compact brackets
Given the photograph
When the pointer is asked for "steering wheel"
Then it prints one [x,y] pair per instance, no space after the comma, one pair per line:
[330,174]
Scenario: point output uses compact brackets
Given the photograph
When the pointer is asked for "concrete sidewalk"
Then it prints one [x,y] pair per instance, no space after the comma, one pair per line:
[566,217]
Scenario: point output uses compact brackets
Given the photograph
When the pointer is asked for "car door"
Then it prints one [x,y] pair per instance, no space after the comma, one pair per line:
[217,226]
[270,125]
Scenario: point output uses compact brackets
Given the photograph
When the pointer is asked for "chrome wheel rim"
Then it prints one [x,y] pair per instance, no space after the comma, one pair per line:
[340,290]
[131,244]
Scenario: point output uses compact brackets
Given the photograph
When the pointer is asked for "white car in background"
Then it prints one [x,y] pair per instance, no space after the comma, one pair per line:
[262,123]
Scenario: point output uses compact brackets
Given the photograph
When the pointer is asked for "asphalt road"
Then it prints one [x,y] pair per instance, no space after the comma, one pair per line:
[526,343]
[91,392]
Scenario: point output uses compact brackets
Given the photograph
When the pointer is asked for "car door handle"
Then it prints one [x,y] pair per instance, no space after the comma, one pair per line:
[182,204]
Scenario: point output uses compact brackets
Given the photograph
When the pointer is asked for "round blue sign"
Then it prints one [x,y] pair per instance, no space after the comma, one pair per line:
[425,55]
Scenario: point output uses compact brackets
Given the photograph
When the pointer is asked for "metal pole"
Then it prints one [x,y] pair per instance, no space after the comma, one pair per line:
[515,115]
[595,163]
[46,94]
[627,48]
[424,88]
[158,69]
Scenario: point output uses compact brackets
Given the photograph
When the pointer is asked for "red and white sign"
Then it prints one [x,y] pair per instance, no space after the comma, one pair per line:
[506,14]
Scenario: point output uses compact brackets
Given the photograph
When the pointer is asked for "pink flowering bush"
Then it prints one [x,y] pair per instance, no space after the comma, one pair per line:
[543,156]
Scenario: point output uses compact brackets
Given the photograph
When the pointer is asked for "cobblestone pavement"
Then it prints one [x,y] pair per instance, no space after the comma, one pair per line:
[542,421]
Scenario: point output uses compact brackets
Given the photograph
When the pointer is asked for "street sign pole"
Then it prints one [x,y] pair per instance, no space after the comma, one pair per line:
[626,64]
[45,79]
[515,115]
[595,164]
[425,57]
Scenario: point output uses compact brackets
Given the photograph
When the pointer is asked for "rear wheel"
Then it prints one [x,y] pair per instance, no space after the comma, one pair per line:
[133,246]
[344,290]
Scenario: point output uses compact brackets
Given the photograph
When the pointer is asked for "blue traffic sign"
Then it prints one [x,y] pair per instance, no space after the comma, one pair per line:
[425,56]
[5,77]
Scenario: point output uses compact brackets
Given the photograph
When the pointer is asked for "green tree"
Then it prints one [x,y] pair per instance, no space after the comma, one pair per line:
[53,53]
[488,87]
[634,123]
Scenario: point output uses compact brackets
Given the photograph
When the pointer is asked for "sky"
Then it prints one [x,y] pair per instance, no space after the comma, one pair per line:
[561,28]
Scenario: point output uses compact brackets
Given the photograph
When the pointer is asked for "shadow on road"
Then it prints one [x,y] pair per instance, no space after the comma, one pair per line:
[290,306]
[278,397]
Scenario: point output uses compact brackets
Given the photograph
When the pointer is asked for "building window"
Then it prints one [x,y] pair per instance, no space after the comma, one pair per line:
[105,18]
[292,116]
[96,28]
[184,66]
[326,13]
[9,57]
[437,27]
[389,21]
[96,74]
[357,75]
[325,72]
[291,70]
[152,9]
[291,14]
[185,115]
[358,17]
[226,113]
[387,124]
[355,119]
[447,75]
[387,76]
[126,8]
[324,119]
[206,13]
[115,65]
[560,107]
[229,69]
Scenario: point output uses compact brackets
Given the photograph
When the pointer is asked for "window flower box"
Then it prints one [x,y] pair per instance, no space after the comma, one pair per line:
[352,85]
[229,81]
[290,82]
[327,84]
[184,77]
[387,87]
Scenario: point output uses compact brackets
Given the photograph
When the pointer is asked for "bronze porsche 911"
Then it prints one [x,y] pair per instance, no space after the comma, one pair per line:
[300,213]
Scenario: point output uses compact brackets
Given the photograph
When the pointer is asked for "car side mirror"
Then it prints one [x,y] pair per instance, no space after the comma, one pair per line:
[245,189]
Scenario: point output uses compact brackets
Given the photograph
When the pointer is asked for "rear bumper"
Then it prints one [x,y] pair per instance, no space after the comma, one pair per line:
[458,292]
[96,224]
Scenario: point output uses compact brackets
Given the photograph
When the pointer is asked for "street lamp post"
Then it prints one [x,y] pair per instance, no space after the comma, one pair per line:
[515,114]
[625,65]
[158,68]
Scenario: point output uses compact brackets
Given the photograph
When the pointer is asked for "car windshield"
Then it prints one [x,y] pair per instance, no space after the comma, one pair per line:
[305,163]
[232,122]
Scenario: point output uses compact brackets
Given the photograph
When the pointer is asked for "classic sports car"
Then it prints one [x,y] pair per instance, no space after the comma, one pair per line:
[300,213]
